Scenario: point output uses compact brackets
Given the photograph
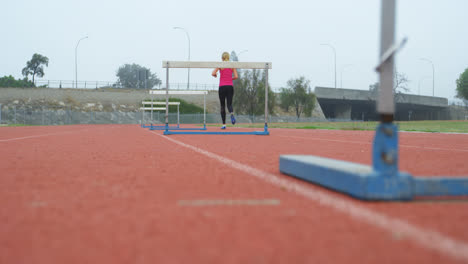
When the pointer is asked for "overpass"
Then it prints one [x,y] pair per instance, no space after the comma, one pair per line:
[349,104]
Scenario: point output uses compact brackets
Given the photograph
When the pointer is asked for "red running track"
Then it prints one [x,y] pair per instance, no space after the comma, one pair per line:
[124,194]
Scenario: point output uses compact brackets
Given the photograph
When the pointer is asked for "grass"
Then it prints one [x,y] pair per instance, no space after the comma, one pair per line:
[13,125]
[420,126]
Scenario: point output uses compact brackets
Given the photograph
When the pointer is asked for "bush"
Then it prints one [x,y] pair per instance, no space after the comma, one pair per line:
[9,81]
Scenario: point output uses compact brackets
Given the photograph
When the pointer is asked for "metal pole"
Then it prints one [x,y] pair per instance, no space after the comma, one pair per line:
[204,110]
[151,109]
[188,70]
[178,116]
[266,95]
[76,61]
[385,104]
[167,96]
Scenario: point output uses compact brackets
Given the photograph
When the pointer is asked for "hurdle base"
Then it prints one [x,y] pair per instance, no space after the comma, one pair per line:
[365,183]
[169,132]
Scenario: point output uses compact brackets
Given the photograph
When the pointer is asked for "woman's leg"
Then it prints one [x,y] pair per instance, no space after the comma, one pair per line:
[229,96]
[222,100]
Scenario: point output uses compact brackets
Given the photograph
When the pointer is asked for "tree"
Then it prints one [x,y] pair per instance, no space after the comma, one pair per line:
[234,56]
[136,76]
[35,66]
[399,87]
[298,95]
[462,85]
[249,93]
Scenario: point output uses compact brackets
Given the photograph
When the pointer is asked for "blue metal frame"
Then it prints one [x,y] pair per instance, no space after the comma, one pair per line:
[382,181]
[265,132]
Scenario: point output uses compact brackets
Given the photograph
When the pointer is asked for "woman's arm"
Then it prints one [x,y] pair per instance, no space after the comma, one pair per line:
[215,72]
[235,74]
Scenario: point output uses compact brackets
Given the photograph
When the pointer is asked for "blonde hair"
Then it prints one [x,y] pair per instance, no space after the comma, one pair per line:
[225,56]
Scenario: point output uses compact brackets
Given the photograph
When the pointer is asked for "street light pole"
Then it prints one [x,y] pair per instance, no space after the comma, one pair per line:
[433,73]
[76,61]
[334,52]
[188,70]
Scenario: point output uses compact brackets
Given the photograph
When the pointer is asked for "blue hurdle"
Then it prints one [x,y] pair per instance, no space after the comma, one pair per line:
[382,181]
[206,64]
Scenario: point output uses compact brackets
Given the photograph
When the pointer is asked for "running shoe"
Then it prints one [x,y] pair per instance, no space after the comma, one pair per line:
[233,119]
[223,127]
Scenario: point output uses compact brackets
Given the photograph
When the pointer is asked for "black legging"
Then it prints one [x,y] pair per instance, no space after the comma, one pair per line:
[225,94]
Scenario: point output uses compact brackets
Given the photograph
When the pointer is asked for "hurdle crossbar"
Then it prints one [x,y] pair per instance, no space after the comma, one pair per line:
[152,108]
[160,103]
[216,64]
[382,180]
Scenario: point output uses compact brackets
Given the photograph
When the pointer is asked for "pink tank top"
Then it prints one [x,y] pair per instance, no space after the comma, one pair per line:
[226,77]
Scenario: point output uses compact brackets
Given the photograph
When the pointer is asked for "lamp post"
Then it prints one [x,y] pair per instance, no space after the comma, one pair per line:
[342,69]
[334,52]
[188,70]
[433,72]
[76,61]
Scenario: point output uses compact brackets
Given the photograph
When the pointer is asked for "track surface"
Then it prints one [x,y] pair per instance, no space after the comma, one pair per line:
[124,194]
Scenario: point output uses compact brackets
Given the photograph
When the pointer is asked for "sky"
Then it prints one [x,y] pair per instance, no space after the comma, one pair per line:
[289,34]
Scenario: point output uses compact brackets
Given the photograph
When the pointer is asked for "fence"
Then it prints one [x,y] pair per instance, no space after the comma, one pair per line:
[107,84]
[67,116]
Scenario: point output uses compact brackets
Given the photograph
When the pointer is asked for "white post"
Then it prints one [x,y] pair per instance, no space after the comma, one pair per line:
[266,96]
[167,96]
[151,109]
[204,110]
[76,61]
[334,53]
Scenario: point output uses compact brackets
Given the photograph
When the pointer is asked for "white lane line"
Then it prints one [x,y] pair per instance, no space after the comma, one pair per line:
[218,202]
[36,136]
[373,130]
[49,134]
[424,237]
[368,143]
